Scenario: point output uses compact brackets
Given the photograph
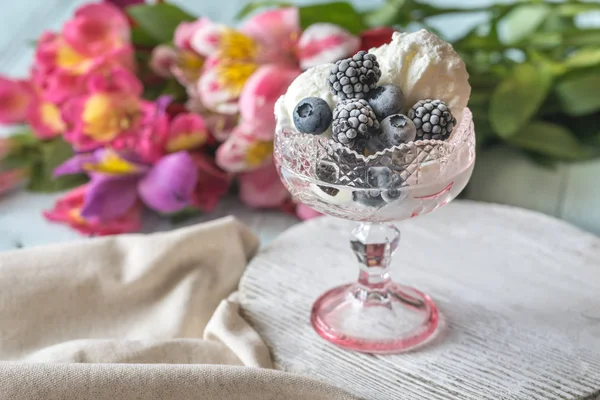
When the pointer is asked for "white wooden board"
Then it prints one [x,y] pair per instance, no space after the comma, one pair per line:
[519,293]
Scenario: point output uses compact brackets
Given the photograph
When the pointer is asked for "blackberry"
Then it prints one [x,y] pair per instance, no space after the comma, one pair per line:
[433,119]
[354,77]
[353,121]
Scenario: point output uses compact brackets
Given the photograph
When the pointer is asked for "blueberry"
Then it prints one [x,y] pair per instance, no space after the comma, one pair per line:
[393,191]
[374,144]
[379,177]
[386,100]
[371,198]
[397,129]
[312,115]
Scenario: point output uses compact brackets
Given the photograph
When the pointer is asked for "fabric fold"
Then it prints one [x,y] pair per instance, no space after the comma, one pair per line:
[137,316]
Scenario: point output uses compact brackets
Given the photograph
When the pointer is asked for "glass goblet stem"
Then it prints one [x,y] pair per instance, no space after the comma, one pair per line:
[374,245]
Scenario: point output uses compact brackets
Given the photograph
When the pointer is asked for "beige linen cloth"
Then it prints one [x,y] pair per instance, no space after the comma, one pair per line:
[137,317]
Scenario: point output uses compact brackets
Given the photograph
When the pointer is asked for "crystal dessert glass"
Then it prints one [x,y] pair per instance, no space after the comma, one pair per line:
[375,314]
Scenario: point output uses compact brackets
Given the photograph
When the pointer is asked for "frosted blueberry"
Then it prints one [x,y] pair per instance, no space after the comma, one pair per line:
[386,100]
[312,115]
[397,129]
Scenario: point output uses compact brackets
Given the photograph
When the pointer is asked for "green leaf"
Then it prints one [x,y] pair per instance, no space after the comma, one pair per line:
[518,97]
[159,20]
[571,10]
[583,58]
[387,14]
[523,20]
[580,94]
[582,37]
[141,38]
[184,215]
[339,13]
[52,153]
[551,140]
[255,5]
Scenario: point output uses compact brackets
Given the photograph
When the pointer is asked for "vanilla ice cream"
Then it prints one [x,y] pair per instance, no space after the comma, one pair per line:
[420,63]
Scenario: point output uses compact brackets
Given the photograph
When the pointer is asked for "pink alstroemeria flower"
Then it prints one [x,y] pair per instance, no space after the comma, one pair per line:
[242,151]
[261,91]
[262,188]
[67,210]
[11,179]
[111,109]
[324,43]
[233,56]
[15,96]
[250,145]
[213,183]
[124,3]
[45,119]
[162,60]
[185,32]
[187,132]
[96,28]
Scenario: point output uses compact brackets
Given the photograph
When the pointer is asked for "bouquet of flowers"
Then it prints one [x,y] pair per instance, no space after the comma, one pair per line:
[143,105]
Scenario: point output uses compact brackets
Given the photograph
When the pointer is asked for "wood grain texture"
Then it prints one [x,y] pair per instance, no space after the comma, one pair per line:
[518,291]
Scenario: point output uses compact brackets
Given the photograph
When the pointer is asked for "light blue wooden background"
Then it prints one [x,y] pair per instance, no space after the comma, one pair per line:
[572,191]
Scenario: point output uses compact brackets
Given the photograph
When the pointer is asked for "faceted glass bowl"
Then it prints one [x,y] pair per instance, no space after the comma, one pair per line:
[375,314]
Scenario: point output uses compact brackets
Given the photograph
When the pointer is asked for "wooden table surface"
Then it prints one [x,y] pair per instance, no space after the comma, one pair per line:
[518,293]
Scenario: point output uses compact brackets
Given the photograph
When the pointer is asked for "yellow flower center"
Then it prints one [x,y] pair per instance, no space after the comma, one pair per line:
[258,152]
[235,45]
[106,117]
[112,164]
[186,141]
[233,76]
[75,215]
[237,53]
[51,117]
[190,64]
[69,59]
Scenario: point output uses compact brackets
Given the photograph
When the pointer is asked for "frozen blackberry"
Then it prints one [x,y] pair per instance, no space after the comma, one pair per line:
[433,119]
[353,121]
[354,77]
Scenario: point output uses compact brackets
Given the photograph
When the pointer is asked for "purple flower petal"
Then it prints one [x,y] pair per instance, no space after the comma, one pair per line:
[125,3]
[109,197]
[169,185]
[74,165]
[163,102]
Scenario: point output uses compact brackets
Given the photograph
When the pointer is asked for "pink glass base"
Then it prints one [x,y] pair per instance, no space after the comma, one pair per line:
[389,319]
